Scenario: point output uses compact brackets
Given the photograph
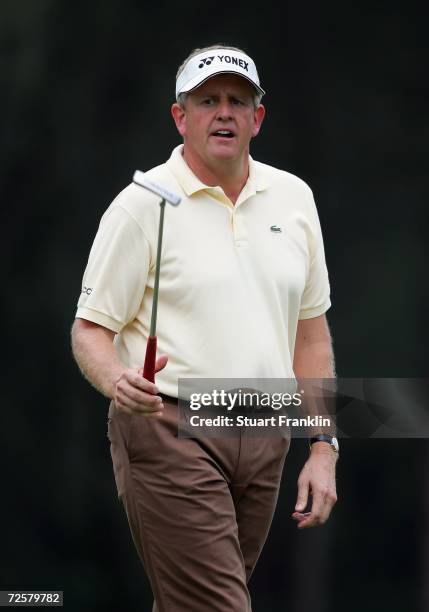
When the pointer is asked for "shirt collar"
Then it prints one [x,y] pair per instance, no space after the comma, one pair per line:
[191,184]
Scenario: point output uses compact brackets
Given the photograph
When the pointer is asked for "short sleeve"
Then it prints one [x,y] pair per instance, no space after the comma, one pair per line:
[315,299]
[116,274]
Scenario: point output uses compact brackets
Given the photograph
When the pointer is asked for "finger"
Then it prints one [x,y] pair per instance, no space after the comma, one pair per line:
[302,498]
[324,500]
[135,379]
[138,409]
[122,403]
[161,362]
[149,410]
[316,512]
[146,385]
[329,501]
[122,407]
[153,415]
[299,516]
[306,520]
[138,401]
[138,398]
[137,388]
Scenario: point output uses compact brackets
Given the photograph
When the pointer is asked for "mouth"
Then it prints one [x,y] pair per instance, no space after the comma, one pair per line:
[223,134]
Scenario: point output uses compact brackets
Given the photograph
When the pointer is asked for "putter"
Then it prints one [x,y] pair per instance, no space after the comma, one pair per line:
[142,180]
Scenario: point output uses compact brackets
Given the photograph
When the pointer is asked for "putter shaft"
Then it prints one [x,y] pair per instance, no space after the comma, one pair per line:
[150,358]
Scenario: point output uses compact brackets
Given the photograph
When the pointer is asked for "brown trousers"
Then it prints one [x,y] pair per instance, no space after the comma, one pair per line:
[199,509]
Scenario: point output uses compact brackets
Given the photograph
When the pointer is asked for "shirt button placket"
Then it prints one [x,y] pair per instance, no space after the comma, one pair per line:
[239,230]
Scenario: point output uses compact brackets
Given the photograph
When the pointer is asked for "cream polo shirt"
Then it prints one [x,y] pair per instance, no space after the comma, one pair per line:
[234,279]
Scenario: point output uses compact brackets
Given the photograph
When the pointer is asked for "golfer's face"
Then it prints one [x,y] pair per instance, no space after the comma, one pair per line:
[220,119]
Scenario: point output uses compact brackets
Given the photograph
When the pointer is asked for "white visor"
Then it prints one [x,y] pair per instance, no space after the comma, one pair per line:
[217,61]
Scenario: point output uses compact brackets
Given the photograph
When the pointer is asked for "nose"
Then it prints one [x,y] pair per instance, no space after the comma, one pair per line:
[224,111]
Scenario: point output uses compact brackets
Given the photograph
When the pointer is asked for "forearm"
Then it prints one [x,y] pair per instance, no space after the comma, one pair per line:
[96,355]
[315,361]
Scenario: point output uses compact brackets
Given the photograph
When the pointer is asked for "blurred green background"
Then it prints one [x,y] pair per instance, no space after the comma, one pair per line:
[86,89]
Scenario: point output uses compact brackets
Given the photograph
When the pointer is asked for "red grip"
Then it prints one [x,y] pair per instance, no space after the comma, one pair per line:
[150,358]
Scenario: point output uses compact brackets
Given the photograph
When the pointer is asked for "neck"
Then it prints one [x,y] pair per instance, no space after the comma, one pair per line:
[231,175]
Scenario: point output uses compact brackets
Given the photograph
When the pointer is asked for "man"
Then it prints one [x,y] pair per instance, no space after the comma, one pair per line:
[244,291]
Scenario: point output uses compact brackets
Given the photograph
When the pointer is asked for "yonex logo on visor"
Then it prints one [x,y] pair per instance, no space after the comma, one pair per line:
[226,59]
[233,60]
[206,61]
[205,65]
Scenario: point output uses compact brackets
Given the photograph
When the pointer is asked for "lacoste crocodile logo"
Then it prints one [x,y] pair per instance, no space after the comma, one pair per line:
[275,228]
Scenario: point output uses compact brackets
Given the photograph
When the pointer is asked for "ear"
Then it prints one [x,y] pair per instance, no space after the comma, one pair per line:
[179,116]
[258,118]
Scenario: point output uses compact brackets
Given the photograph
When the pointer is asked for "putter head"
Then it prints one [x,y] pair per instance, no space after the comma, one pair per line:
[142,180]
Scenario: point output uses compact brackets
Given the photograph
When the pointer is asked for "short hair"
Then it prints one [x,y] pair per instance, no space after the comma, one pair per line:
[181,98]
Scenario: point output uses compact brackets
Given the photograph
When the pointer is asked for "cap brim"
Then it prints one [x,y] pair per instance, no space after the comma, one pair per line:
[197,81]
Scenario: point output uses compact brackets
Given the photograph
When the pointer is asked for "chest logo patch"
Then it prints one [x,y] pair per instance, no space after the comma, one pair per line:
[276,229]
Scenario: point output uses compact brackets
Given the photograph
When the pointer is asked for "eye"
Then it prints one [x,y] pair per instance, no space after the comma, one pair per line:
[207,101]
[237,102]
